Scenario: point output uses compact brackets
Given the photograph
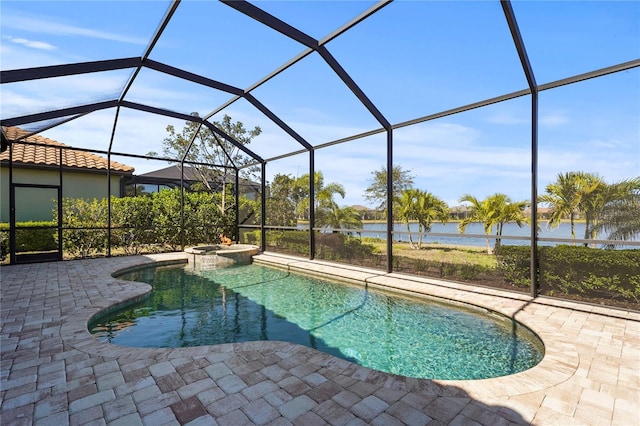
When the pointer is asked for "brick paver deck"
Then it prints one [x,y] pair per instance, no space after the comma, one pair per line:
[54,372]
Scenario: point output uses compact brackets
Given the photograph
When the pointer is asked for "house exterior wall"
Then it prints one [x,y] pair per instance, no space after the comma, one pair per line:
[36,204]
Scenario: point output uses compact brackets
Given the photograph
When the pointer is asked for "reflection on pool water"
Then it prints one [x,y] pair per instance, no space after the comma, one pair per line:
[413,337]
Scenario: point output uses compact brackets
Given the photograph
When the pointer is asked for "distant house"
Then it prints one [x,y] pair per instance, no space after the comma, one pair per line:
[543,212]
[170,177]
[367,213]
[459,212]
[38,163]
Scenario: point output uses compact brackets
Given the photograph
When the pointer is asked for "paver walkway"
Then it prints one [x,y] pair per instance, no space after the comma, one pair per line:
[54,372]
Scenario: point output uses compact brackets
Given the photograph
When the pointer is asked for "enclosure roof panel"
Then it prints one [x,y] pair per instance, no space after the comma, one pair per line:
[229,47]
[44,33]
[112,76]
[576,37]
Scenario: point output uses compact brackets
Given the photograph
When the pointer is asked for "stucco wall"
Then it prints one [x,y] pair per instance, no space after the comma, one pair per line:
[36,204]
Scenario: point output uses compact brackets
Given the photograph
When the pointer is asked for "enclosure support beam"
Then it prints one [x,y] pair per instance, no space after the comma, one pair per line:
[189,76]
[147,51]
[109,204]
[52,71]
[390,222]
[272,22]
[113,133]
[277,120]
[236,231]
[347,26]
[53,114]
[312,204]
[263,207]
[12,211]
[60,182]
[187,117]
[533,87]
[182,205]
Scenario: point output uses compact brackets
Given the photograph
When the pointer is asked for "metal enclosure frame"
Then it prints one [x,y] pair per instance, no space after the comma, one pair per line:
[311,45]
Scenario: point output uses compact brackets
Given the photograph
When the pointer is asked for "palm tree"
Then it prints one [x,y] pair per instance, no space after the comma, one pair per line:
[620,216]
[594,194]
[337,218]
[497,209]
[423,207]
[323,194]
[565,196]
[511,212]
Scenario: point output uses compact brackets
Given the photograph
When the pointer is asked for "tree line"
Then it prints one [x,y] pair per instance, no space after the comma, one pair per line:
[605,207]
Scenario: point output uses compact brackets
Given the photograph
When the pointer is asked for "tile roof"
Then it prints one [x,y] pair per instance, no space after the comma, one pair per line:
[43,152]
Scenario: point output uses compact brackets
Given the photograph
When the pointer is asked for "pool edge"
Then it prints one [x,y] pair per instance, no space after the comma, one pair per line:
[559,363]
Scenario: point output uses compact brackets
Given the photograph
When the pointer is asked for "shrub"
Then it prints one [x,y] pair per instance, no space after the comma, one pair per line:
[204,222]
[140,222]
[251,237]
[340,247]
[333,246]
[30,236]
[165,211]
[514,263]
[292,242]
[36,236]
[84,222]
[131,221]
[610,274]
[578,270]
[4,243]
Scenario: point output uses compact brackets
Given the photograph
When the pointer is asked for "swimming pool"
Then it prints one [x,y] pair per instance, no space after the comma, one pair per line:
[411,337]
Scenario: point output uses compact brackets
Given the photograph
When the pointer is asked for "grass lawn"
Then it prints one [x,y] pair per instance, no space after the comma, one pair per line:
[442,253]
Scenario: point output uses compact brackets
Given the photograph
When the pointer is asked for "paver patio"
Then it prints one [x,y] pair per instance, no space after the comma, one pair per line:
[54,372]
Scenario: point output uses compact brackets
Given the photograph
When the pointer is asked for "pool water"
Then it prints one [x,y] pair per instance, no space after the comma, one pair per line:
[413,337]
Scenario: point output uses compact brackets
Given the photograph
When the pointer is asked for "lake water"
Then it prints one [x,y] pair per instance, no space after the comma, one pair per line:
[474,234]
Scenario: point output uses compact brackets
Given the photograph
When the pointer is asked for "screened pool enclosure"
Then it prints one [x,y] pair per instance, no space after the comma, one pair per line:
[511,130]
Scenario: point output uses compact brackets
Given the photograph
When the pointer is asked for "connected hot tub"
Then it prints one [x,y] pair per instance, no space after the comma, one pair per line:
[219,255]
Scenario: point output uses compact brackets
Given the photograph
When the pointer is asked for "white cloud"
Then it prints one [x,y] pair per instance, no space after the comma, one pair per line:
[17,56]
[55,93]
[443,169]
[486,155]
[40,45]
[47,26]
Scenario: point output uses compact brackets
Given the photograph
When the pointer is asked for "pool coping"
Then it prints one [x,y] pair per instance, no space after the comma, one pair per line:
[559,363]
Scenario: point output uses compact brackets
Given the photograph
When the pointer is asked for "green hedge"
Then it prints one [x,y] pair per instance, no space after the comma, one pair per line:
[576,270]
[439,269]
[291,242]
[334,246]
[143,224]
[30,236]
[610,274]
[514,263]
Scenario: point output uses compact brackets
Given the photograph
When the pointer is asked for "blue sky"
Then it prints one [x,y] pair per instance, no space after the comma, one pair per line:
[412,59]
